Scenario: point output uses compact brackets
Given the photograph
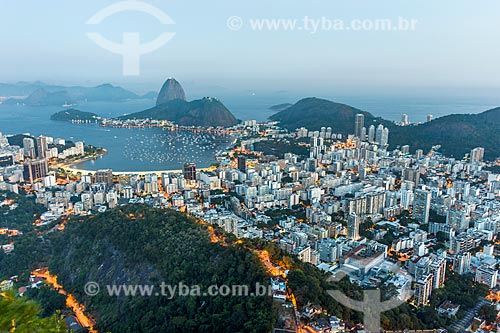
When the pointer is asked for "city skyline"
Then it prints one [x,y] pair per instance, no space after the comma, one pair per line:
[254,167]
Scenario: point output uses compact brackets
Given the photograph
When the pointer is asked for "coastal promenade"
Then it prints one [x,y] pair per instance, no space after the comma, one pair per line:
[122,173]
[72,167]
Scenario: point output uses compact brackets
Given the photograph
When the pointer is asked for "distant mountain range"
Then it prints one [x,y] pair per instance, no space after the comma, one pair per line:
[457,133]
[41,94]
[171,105]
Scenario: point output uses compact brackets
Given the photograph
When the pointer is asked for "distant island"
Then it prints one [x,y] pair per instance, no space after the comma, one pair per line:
[41,94]
[171,105]
[457,134]
[72,115]
[280,107]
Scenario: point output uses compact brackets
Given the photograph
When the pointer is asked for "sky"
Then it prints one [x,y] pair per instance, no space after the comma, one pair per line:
[454,48]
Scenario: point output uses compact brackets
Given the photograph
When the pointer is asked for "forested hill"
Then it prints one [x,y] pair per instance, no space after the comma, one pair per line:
[457,133]
[202,112]
[141,245]
[314,113]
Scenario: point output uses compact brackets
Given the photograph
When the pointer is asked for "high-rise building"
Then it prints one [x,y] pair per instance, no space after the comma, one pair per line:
[328,249]
[461,189]
[487,275]
[412,175]
[422,267]
[35,169]
[423,290]
[4,142]
[385,137]
[42,143]
[489,250]
[355,205]
[80,147]
[315,142]
[353,222]
[371,134]
[375,203]
[462,243]
[461,263]
[104,177]
[378,133]
[242,164]
[406,198]
[29,147]
[421,206]
[458,217]
[477,154]
[382,135]
[359,124]
[405,120]
[189,171]
[419,153]
[311,164]
[151,183]
[438,269]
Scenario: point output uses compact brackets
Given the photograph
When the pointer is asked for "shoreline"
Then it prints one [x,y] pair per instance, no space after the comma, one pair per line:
[73,167]
[75,163]
[89,158]
[123,173]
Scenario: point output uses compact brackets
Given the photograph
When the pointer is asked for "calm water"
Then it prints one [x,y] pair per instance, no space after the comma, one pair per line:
[154,149]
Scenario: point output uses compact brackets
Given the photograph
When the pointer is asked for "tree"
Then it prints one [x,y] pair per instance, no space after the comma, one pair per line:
[488,313]
[441,236]
[21,315]
[50,299]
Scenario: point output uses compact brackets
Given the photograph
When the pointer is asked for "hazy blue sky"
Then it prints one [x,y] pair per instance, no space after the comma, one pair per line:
[456,45]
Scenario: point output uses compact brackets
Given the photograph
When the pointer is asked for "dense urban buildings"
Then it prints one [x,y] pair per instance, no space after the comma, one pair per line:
[343,205]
